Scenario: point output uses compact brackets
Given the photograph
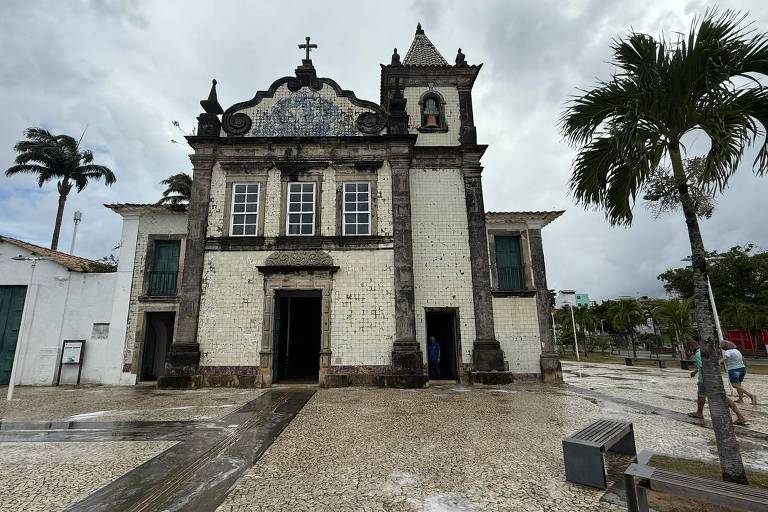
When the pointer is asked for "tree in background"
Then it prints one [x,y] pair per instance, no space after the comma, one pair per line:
[625,127]
[57,157]
[625,315]
[178,189]
[739,280]
[675,315]
[586,322]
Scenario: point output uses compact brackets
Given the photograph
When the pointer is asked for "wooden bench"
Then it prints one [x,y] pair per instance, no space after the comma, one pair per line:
[583,451]
[629,361]
[639,477]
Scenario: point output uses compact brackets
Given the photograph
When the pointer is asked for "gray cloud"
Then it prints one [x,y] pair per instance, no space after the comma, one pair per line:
[127,69]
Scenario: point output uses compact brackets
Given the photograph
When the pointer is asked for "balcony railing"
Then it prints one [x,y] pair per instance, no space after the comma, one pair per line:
[511,278]
[162,283]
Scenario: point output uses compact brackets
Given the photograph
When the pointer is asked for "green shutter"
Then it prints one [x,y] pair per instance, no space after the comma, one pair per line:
[509,263]
[165,267]
[11,309]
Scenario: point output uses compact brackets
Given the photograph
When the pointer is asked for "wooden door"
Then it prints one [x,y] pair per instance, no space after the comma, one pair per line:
[11,309]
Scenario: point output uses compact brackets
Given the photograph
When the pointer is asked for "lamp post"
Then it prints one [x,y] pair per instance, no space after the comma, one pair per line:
[20,336]
[575,338]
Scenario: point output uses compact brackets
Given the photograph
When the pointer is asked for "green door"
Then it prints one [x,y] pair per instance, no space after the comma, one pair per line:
[11,308]
[509,263]
[165,268]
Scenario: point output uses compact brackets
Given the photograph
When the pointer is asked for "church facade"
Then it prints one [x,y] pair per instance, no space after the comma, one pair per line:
[328,237]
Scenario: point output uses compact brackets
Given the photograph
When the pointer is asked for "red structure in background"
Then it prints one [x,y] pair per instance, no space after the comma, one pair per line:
[748,343]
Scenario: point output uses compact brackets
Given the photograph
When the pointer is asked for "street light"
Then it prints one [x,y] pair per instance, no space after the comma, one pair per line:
[17,351]
[720,337]
[575,339]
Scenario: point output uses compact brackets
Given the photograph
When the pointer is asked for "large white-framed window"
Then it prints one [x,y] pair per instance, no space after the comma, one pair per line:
[244,217]
[300,218]
[357,208]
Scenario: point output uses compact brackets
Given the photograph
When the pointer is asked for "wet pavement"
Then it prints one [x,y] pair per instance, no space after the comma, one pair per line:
[446,448]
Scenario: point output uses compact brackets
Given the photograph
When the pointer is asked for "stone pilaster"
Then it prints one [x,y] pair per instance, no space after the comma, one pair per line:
[183,357]
[468,132]
[407,359]
[486,354]
[550,359]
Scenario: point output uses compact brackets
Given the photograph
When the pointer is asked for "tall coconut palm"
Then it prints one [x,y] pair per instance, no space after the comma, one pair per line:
[676,315]
[57,157]
[625,315]
[587,321]
[709,82]
[178,189]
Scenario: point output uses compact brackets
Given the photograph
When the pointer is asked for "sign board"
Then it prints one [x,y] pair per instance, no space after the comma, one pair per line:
[71,352]
[71,355]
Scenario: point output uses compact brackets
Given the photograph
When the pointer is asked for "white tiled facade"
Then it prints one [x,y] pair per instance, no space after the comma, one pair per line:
[441,267]
[517,330]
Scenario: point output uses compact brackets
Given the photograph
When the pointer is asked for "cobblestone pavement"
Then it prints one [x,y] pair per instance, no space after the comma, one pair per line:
[121,403]
[446,448]
[50,476]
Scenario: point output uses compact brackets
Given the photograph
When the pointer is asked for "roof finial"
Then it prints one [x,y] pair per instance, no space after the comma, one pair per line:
[211,105]
[419,29]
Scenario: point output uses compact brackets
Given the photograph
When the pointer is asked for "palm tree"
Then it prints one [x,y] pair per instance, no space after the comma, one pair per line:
[676,315]
[587,321]
[178,189]
[625,315]
[57,157]
[708,82]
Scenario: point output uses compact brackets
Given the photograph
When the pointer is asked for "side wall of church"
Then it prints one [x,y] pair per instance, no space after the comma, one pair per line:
[517,329]
[441,266]
[149,224]
[452,116]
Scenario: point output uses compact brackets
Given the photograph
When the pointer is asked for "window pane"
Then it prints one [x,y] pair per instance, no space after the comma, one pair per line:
[250,207]
[239,198]
[294,207]
[307,198]
[306,229]
[306,218]
[253,188]
[239,188]
[293,229]
[251,198]
[351,229]
[350,206]
[362,187]
[239,208]
[306,207]
[237,230]
[362,218]
[350,187]
[307,187]
[349,218]
[294,218]
[238,219]
[250,230]
[295,198]
[363,198]
[250,219]
[362,229]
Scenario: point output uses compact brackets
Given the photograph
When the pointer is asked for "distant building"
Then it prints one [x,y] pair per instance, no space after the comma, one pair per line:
[573,298]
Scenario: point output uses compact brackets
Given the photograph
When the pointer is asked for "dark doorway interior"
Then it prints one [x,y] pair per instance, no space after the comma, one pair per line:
[443,326]
[298,317]
[157,340]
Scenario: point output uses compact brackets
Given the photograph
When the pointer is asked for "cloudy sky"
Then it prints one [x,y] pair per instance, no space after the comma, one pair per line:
[127,69]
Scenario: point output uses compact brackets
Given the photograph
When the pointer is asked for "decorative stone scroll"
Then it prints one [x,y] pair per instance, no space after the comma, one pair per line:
[298,260]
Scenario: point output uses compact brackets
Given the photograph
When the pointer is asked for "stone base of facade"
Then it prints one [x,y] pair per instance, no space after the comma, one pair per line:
[551,371]
[230,376]
[487,356]
[181,366]
[501,378]
[178,382]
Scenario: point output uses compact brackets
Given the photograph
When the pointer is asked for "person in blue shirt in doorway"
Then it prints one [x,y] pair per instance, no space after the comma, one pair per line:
[433,358]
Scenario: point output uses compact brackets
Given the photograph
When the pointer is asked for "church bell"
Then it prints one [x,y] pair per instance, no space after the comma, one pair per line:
[431,113]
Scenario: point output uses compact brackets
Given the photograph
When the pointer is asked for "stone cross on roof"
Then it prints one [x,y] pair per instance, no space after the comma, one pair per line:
[308,47]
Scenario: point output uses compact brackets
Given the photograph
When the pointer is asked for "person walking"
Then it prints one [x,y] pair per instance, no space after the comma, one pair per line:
[737,370]
[433,358]
[702,396]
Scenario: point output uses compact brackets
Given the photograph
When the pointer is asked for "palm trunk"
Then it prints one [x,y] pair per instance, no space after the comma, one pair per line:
[680,348]
[57,225]
[727,445]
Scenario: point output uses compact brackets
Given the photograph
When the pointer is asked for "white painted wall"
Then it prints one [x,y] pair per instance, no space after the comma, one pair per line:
[60,305]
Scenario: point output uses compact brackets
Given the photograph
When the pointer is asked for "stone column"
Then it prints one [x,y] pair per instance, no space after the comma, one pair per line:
[550,359]
[183,356]
[407,359]
[486,354]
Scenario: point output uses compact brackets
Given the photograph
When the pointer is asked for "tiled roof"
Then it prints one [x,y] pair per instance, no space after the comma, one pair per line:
[423,52]
[143,207]
[545,216]
[73,263]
